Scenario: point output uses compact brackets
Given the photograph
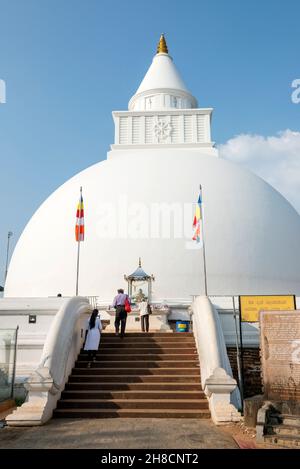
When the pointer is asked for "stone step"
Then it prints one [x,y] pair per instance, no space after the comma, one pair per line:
[133,394]
[146,340]
[285,441]
[134,386]
[142,344]
[154,375]
[287,419]
[139,357]
[150,335]
[132,413]
[133,404]
[122,370]
[137,364]
[282,429]
[88,378]
[141,350]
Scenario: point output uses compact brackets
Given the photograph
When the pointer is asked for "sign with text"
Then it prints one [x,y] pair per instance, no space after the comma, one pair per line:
[280,354]
[250,306]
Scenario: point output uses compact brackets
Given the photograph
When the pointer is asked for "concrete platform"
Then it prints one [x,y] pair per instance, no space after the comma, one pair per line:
[118,433]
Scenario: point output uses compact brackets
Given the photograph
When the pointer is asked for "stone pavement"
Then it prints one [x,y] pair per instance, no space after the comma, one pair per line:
[118,433]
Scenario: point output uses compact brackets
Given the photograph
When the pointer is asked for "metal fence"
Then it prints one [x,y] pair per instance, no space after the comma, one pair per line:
[94,301]
[8,352]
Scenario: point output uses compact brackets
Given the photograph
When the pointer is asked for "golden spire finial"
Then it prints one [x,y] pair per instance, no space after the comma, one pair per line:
[162,45]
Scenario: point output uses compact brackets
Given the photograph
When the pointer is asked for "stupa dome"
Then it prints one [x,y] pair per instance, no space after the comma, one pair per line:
[139,203]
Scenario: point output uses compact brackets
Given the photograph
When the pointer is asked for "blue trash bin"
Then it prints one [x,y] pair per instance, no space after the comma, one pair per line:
[182,326]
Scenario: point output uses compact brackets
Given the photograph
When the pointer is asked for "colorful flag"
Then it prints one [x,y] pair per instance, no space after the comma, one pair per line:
[197,221]
[79,228]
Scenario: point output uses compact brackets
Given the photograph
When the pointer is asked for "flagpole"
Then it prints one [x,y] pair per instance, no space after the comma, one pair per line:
[238,353]
[77,275]
[241,354]
[78,247]
[204,257]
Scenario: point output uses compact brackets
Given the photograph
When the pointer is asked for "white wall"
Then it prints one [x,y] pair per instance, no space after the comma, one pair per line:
[31,337]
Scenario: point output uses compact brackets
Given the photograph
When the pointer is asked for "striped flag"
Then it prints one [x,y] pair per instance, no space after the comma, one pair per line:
[197,220]
[79,228]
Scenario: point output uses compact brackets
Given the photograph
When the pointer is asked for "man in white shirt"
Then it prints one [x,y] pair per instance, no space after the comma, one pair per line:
[145,309]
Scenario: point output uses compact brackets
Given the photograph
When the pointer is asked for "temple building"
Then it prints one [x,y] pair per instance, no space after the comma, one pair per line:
[139,203]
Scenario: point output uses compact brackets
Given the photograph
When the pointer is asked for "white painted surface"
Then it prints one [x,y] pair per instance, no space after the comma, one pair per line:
[31,336]
[173,128]
[216,374]
[27,305]
[162,87]
[252,233]
[162,73]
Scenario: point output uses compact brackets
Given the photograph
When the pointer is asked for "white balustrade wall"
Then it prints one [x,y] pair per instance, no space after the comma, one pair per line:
[175,127]
[60,351]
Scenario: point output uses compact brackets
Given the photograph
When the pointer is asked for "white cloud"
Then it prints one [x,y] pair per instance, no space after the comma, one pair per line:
[276,159]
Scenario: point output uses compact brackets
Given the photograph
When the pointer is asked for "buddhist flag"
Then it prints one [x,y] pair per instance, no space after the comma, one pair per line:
[79,228]
[197,220]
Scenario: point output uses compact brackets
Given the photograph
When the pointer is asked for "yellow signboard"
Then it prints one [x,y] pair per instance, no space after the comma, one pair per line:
[250,306]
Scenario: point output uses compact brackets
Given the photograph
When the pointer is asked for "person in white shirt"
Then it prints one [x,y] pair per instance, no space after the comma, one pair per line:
[145,309]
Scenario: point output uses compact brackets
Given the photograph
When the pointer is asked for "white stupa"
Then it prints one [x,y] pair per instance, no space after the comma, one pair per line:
[162,152]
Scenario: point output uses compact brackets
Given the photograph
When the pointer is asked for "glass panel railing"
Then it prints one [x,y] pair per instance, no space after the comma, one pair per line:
[8,348]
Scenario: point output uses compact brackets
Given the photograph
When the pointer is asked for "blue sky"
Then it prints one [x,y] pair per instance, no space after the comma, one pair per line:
[68,63]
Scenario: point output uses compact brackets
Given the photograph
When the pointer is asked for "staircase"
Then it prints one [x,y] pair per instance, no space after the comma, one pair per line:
[143,375]
[283,430]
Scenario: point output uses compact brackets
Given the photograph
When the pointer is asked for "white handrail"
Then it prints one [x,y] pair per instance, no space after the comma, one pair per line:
[214,363]
[63,339]
[63,343]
